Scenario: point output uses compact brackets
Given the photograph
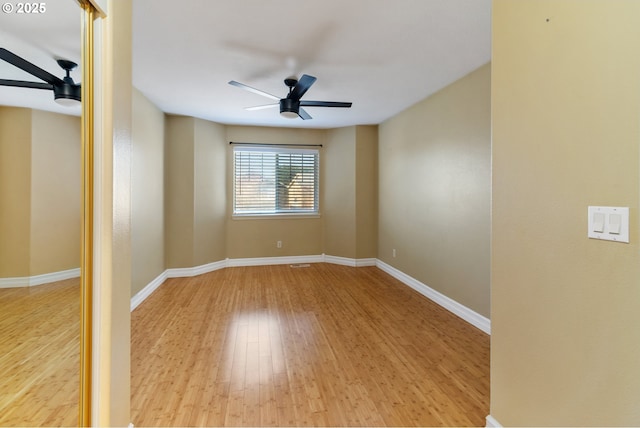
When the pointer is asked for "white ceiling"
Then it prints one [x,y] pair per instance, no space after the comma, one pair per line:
[382,55]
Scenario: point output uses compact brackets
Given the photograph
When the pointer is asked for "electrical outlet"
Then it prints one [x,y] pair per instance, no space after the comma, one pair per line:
[393,252]
[279,244]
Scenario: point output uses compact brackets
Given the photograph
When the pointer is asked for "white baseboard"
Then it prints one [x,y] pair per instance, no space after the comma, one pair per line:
[142,295]
[366,262]
[264,261]
[348,262]
[15,282]
[451,305]
[492,422]
[195,271]
[46,278]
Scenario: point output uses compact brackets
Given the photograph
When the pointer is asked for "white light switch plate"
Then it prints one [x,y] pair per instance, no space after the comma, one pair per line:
[616,219]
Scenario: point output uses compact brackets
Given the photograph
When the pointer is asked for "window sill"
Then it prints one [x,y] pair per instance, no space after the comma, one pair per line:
[293,216]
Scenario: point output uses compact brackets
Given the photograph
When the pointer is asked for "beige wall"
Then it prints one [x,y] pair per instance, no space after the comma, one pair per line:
[258,237]
[55,192]
[195,203]
[179,192]
[199,227]
[566,133]
[147,193]
[39,192]
[366,175]
[339,192]
[210,200]
[350,184]
[15,191]
[435,191]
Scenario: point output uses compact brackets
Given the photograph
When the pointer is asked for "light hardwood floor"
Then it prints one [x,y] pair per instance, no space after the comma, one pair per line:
[323,345]
[39,354]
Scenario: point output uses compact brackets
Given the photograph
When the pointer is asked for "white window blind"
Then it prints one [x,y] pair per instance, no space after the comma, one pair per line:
[269,180]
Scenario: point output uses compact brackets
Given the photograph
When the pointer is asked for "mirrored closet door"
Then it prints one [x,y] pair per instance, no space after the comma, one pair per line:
[40,213]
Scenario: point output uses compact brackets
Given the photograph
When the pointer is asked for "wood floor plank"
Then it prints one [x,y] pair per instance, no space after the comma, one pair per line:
[39,354]
[323,345]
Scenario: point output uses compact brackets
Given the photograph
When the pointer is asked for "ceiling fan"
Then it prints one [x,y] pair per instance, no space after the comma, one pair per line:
[291,106]
[65,91]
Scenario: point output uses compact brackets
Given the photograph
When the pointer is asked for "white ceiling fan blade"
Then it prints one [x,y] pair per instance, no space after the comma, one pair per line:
[262,107]
[254,90]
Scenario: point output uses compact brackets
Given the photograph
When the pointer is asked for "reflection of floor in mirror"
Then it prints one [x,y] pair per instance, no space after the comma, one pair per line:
[39,354]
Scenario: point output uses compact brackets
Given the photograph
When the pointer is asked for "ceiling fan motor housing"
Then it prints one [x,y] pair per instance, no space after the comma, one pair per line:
[289,107]
[66,91]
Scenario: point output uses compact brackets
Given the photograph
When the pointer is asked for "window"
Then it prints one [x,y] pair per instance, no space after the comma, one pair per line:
[270,180]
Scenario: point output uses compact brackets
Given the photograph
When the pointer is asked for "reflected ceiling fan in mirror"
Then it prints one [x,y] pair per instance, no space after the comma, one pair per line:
[65,90]
[291,106]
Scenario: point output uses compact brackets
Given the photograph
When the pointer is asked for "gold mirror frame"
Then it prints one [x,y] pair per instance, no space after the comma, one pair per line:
[86,246]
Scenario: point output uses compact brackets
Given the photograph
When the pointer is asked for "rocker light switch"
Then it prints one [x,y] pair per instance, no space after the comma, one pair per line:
[598,222]
[609,223]
[615,221]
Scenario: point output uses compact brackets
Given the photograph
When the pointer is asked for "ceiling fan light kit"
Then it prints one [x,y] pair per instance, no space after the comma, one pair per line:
[65,91]
[291,106]
[65,98]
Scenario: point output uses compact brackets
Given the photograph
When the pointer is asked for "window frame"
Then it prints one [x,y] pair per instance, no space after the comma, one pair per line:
[272,148]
